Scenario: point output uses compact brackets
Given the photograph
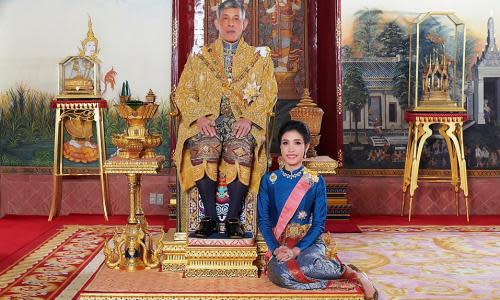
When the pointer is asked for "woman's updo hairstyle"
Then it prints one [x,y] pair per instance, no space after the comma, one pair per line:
[298,126]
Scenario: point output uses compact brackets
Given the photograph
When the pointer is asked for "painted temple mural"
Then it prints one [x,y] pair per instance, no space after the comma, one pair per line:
[375,51]
[374,61]
[129,39]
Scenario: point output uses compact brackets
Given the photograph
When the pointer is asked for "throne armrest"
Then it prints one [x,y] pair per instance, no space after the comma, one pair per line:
[175,116]
[271,115]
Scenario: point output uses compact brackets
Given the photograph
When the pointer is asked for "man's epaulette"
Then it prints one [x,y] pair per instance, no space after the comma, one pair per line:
[263,51]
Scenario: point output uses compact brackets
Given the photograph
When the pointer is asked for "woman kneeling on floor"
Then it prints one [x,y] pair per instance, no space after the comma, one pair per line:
[291,215]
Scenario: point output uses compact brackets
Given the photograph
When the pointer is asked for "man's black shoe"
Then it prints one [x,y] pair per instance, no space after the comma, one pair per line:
[234,230]
[206,228]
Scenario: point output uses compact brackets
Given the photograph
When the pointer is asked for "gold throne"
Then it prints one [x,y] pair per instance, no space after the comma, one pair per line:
[213,257]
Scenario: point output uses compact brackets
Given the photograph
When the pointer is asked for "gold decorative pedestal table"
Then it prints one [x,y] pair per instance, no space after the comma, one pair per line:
[324,165]
[450,127]
[83,110]
[132,248]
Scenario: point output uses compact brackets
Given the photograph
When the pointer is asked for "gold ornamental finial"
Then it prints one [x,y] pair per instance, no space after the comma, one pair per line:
[90,33]
[150,97]
[90,43]
[306,100]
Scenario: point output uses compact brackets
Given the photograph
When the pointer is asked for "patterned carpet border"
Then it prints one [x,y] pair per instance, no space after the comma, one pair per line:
[428,228]
[187,296]
[47,270]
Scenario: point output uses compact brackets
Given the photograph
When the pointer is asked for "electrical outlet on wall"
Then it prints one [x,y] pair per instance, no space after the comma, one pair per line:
[152,198]
[159,199]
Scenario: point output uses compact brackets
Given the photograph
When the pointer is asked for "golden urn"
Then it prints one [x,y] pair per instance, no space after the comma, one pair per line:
[308,112]
[136,141]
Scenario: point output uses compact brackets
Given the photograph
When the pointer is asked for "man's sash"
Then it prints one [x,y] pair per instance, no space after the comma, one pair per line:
[236,100]
[291,205]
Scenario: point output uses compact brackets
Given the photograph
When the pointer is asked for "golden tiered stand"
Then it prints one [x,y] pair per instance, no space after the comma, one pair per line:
[85,110]
[450,127]
[133,248]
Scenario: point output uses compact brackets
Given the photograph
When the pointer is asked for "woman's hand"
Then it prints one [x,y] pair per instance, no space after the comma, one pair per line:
[284,253]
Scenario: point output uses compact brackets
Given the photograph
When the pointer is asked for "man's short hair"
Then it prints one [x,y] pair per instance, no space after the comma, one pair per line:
[231,4]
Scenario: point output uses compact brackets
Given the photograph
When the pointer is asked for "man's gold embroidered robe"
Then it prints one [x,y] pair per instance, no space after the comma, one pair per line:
[201,86]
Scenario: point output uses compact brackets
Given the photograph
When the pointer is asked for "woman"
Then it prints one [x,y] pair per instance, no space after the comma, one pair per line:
[291,216]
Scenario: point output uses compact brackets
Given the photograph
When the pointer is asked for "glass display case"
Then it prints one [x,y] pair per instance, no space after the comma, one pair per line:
[437,63]
[78,78]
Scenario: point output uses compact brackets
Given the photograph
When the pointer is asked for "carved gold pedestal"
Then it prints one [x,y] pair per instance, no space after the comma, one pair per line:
[132,248]
[173,253]
[321,164]
[221,261]
[450,127]
[211,257]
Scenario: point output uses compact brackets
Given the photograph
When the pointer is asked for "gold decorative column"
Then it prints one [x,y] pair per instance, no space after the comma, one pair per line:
[131,248]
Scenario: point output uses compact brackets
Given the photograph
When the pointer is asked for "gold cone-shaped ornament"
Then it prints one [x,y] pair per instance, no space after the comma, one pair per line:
[308,112]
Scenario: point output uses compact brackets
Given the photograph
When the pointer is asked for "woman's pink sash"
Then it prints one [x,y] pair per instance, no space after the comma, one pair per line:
[291,205]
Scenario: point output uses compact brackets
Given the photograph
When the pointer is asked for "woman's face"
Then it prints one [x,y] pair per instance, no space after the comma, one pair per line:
[292,149]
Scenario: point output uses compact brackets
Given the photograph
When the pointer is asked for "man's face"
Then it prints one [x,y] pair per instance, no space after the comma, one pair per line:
[230,24]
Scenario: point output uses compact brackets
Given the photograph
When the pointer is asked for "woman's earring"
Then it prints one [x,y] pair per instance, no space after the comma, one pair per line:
[281,163]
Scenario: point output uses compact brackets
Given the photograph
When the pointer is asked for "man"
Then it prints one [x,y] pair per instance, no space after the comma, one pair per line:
[224,94]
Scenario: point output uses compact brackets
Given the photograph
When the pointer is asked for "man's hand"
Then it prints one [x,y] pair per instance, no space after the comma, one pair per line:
[241,128]
[206,126]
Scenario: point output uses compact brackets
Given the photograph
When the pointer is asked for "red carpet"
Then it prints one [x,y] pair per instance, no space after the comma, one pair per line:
[341,226]
[22,234]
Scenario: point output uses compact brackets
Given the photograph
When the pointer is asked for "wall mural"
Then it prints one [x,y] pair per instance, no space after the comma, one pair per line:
[130,39]
[375,83]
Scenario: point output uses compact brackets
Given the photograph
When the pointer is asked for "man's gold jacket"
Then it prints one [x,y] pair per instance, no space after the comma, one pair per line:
[251,92]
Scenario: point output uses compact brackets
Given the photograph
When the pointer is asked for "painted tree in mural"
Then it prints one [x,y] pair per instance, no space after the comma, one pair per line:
[470,58]
[367,29]
[355,97]
[393,41]
[346,52]
[401,83]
